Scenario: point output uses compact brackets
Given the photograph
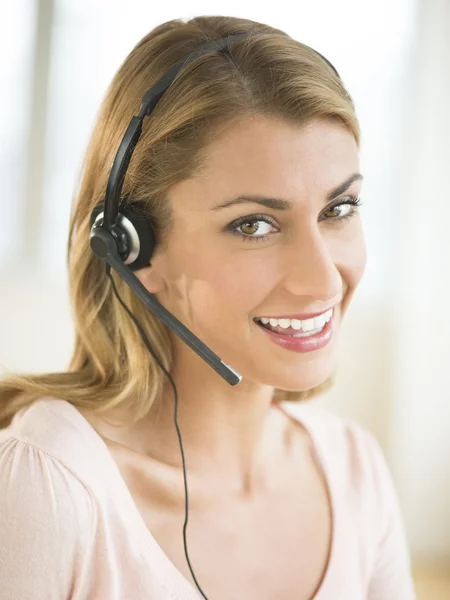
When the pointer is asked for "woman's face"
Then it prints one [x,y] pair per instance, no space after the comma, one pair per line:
[218,275]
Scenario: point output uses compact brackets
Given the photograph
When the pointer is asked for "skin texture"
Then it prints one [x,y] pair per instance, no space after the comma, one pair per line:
[245,458]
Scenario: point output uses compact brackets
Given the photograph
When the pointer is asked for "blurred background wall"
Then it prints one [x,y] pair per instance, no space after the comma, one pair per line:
[56,60]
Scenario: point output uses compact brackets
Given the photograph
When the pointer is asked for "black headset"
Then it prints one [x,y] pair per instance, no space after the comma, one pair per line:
[125,240]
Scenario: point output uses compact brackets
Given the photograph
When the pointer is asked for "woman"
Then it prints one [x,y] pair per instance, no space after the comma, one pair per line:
[248,170]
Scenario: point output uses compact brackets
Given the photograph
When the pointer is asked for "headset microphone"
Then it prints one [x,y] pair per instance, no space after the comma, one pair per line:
[104,246]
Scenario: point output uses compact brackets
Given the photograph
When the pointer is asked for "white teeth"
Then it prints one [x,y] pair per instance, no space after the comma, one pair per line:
[319,322]
[284,323]
[306,325]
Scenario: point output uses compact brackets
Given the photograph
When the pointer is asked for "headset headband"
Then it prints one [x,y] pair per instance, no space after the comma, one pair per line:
[134,129]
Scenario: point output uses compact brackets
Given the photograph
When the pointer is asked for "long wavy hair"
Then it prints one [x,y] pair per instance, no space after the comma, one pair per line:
[267,73]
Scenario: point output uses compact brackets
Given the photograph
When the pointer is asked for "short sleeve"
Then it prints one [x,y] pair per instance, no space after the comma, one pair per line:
[47,520]
[391,577]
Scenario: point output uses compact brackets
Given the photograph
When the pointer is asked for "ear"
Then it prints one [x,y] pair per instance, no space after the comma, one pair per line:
[151,278]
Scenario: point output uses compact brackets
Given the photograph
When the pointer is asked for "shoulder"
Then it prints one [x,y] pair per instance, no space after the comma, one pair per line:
[37,464]
[44,507]
[55,432]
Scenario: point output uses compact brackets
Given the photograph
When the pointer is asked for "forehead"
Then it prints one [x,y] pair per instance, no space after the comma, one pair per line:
[270,156]
[257,142]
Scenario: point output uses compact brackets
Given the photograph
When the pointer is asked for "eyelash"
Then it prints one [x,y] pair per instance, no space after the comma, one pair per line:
[251,219]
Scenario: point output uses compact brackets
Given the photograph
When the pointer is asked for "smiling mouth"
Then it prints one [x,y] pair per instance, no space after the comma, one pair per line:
[289,331]
[296,327]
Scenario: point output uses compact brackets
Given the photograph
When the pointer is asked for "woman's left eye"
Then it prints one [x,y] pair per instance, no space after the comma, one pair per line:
[252,221]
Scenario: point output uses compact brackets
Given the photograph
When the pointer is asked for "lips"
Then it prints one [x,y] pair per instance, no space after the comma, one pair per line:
[308,343]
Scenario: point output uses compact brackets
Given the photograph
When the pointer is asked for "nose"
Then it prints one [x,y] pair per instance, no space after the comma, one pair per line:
[310,269]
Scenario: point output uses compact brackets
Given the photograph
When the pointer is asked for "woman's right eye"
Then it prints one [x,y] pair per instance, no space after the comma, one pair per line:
[247,227]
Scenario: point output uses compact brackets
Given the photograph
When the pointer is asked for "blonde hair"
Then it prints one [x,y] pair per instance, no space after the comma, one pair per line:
[267,73]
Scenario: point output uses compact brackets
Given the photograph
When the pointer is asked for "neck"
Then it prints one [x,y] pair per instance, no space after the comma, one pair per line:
[232,437]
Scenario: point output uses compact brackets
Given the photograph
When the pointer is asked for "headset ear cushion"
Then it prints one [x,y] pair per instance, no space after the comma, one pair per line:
[95,212]
[143,228]
[146,234]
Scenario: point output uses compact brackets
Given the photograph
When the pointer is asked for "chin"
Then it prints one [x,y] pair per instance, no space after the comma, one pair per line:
[295,377]
[301,384]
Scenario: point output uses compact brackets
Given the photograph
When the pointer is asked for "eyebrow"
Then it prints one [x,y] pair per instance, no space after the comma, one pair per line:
[279,204]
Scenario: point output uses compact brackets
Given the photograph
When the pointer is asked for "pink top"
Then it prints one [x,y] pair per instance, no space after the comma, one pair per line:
[69,528]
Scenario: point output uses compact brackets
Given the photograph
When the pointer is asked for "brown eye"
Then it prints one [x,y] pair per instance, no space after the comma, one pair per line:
[352,205]
[337,210]
[249,228]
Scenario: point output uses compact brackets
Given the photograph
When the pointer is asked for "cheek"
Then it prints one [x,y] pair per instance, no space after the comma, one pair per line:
[224,286]
[355,259]
[351,261]
[347,249]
